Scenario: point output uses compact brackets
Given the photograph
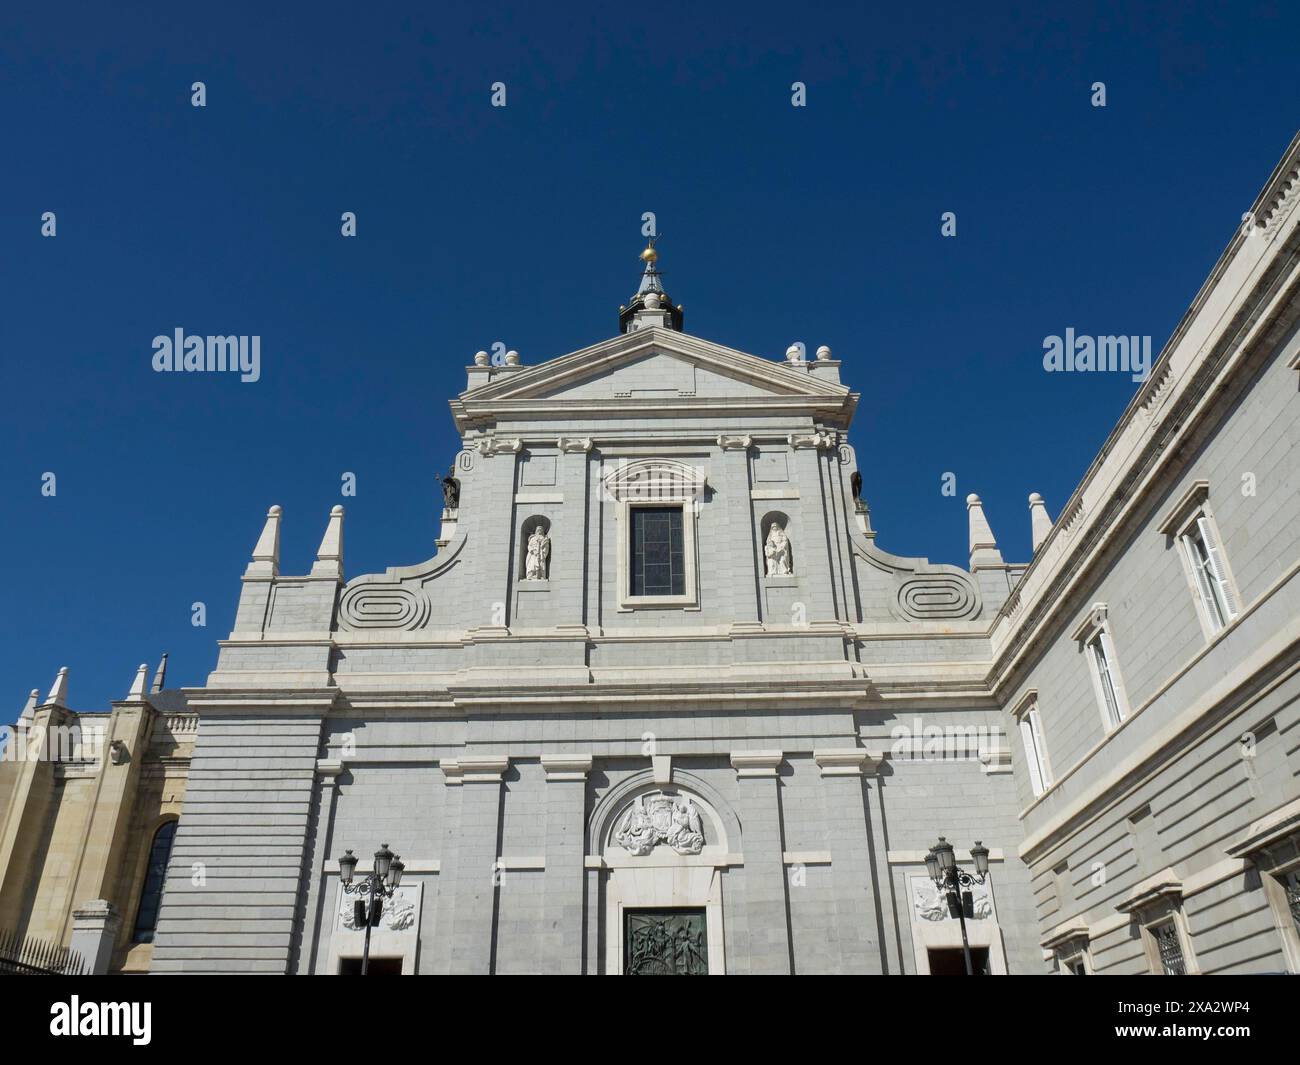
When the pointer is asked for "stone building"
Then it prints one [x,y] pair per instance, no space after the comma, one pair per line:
[659,702]
[88,809]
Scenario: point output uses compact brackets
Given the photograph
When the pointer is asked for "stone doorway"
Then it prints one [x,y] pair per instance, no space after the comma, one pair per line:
[945,961]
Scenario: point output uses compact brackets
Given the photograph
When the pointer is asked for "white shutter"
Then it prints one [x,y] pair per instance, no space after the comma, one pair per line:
[1031,755]
[1202,581]
[1112,674]
[1044,770]
[1218,570]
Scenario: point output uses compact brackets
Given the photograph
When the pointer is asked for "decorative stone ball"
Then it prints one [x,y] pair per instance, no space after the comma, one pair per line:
[792,353]
[651,301]
[481,358]
[512,358]
[972,499]
[1034,498]
[823,354]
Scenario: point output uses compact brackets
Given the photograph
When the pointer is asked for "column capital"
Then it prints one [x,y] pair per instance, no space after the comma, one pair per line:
[756,763]
[846,762]
[484,769]
[329,768]
[561,767]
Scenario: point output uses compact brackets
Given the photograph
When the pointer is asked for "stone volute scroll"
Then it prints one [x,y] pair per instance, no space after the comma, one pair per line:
[537,554]
[659,818]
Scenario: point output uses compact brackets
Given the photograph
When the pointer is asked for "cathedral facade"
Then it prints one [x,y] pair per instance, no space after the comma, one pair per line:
[659,702]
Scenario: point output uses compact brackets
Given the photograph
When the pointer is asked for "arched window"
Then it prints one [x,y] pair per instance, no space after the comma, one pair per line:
[146,917]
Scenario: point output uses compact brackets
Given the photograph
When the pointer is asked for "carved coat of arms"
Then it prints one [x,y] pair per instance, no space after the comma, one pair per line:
[932,905]
[396,915]
[660,818]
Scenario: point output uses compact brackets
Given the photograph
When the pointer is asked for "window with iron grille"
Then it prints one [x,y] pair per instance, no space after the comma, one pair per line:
[1170,949]
[658,558]
[1291,881]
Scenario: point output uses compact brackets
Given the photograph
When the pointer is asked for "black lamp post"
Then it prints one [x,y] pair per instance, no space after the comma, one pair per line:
[379,885]
[954,884]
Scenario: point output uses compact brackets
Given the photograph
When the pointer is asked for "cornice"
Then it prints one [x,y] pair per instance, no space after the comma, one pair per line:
[1055,579]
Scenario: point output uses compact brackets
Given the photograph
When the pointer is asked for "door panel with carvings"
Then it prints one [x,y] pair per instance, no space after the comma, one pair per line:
[665,943]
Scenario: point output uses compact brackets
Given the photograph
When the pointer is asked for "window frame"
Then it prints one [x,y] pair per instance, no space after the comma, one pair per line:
[1192,518]
[136,931]
[1029,722]
[671,508]
[672,484]
[1171,918]
[1098,646]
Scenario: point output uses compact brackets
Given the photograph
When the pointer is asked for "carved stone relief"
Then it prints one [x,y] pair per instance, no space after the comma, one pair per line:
[658,818]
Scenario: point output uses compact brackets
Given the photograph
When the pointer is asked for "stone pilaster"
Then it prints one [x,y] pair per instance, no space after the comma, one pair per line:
[444,923]
[562,886]
[94,931]
[320,885]
[766,902]
[475,882]
[853,882]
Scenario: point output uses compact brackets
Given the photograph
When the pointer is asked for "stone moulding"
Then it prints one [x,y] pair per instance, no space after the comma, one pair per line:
[396,598]
[926,591]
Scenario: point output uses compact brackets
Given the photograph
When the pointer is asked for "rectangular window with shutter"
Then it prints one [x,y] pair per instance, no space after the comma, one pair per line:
[1031,736]
[1103,664]
[1192,530]
[1205,557]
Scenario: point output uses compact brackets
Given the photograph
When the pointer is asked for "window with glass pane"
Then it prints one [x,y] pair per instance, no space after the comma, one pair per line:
[658,560]
[1170,949]
[1106,679]
[1210,578]
[146,919]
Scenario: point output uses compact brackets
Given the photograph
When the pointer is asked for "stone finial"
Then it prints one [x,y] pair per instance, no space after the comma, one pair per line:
[1039,523]
[512,358]
[266,553]
[481,358]
[136,694]
[160,678]
[792,353]
[823,354]
[59,691]
[983,547]
[30,709]
[329,556]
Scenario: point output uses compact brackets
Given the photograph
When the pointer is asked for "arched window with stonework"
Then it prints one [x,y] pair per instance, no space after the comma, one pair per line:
[160,852]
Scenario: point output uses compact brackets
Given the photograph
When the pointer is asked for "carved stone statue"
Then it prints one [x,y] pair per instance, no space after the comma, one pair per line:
[856,482]
[450,490]
[776,551]
[537,561]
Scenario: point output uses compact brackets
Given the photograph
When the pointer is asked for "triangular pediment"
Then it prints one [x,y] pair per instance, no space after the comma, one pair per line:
[655,362]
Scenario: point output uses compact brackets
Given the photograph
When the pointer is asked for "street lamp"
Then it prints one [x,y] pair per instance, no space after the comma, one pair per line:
[954,884]
[379,885]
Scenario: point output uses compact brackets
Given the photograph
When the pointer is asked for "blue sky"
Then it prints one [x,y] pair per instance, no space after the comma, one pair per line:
[522,225]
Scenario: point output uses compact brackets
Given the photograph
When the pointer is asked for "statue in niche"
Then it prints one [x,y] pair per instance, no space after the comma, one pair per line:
[450,490]
[776,551]
[537,561]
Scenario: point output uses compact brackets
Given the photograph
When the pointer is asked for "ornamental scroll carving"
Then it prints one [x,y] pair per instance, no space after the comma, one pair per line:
[658,818]
[397,915]
[932,905]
